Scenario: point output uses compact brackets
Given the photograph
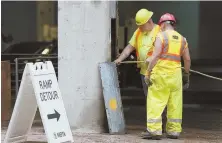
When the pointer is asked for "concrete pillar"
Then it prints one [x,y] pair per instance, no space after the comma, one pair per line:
[83,41]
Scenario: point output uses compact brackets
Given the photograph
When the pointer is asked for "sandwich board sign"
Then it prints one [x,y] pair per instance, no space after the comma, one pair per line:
[39,89]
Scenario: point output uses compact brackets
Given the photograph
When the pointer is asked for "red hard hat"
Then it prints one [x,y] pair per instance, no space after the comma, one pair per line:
[167,17]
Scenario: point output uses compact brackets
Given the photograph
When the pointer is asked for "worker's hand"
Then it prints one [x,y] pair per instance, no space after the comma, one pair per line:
[147,80]
[117,61]
[186,80]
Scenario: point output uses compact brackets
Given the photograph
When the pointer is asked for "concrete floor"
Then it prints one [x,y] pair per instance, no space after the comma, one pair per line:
[188,136]
[200,125]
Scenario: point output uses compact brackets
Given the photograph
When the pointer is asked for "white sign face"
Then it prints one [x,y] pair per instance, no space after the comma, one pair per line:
[50,102]
[26,105]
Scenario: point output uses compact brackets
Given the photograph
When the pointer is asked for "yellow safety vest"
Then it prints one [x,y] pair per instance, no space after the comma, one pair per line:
[172,50]
[143,52]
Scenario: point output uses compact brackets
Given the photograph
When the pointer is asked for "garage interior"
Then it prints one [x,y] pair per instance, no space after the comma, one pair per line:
[32,28]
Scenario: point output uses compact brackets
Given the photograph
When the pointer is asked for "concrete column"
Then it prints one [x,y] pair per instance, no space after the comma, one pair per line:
[84,41]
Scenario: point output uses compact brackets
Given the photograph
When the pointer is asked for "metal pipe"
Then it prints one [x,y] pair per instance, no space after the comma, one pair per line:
[35,58]
[17,68]
[132,62]
[21,54]
[193,71]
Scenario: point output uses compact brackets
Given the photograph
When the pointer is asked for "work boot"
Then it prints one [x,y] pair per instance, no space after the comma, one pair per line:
[172,137]
[148,135]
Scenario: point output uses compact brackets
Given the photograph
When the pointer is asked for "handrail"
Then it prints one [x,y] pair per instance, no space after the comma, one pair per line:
[17,68]
[21,54]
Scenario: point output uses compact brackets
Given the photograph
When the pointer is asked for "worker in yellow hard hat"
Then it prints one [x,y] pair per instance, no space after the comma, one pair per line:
[164,76]
[141,41]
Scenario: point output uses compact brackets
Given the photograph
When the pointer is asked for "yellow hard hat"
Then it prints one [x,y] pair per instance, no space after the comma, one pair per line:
[142,16]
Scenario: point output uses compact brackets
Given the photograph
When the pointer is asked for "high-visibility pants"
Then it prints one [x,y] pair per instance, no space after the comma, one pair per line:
[145,90]
[166,90]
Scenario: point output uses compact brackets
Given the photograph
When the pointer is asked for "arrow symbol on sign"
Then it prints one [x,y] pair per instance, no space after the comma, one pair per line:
[55,115]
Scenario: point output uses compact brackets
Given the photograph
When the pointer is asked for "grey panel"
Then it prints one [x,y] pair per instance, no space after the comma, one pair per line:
[112,98]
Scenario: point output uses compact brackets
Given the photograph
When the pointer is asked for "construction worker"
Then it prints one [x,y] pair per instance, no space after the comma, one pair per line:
[164,76]
[141,41]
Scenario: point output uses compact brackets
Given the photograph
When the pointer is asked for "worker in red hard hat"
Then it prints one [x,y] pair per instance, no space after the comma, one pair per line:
[164,76]
[142,41]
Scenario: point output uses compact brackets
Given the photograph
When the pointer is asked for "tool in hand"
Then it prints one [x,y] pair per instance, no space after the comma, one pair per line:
[193,71]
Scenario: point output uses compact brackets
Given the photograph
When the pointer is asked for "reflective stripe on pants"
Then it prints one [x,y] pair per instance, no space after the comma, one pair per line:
[173,133]
[151,122]
[165,90]
[154,132]
[145,90]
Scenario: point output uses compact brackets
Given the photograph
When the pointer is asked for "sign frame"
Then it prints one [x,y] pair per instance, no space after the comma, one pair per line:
[39,89]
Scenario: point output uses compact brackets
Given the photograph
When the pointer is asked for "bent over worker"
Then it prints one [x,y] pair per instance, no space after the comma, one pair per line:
[165,77]
[141,41]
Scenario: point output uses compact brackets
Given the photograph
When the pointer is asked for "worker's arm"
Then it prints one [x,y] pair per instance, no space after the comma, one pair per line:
[125,53]
[128,49]
[155,56]
[187,63]
[186,59]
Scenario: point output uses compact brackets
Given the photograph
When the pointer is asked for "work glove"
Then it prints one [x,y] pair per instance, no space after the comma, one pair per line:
[147,80]
[186,80]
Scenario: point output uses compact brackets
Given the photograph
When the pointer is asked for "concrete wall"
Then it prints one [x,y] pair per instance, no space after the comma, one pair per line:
[84,42]
[210,30]
[186,12]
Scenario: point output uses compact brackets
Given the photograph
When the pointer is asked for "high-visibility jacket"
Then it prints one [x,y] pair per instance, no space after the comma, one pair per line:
[143,43]
[173,45]
[166,89]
